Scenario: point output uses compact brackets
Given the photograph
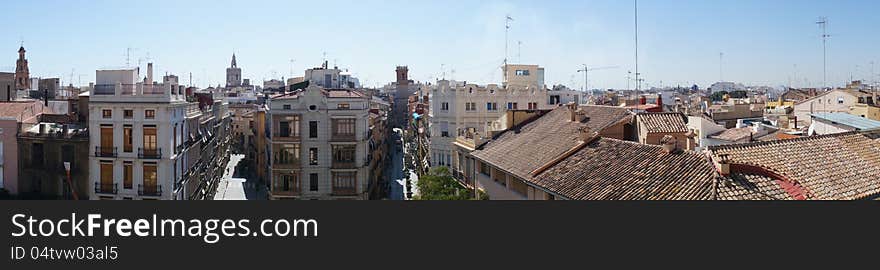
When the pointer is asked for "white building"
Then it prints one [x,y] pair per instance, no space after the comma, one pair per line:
[330,77]
[137,133]
[319,144]
[470,106]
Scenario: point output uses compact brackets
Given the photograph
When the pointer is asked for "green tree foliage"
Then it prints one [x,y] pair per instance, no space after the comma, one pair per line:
[438,185]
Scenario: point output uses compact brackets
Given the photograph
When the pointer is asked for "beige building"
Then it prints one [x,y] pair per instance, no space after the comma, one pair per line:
[457,107]
[319,144]
[840,100]
[653,127]
[523,76]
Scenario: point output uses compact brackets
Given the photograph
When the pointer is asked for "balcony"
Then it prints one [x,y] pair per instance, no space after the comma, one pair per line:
[344,191]
[150,190]
[343,138]
[280,137]
[106,188]
[105,151]
[337,164]
[293,165]
[150,153]
[287,193]
[136,92]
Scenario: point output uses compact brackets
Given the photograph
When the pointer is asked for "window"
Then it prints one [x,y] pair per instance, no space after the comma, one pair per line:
[313,182]
[286,182]
[491,106]
[839,100]
[444,106]
[343,153]
[284,129]
[127,139]
[522,72]
[67,155]
[106,176]
[127,179]
[554,100]
[343,127]
[470,106]
[174,140]
[533,105]
[150,178]
[345,183]
[150,142]
[106,139]
[512,106]
[286,106]
[313,129]
[128,114]
[37,155]
[444,134]
[343,106]
[289,154]
[313,156]
[150,114]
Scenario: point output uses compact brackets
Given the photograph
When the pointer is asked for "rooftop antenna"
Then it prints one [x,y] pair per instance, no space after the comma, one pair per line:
[507,20]
[291,66]
[721,66]
[519,51]
[638,81]
[823,23]
[443,71]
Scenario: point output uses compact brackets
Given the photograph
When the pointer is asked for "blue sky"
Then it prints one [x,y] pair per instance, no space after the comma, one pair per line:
[764,42]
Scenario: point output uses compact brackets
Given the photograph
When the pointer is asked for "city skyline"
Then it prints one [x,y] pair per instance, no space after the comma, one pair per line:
[763,43]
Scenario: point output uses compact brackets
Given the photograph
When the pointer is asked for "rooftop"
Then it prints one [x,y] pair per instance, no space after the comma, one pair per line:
[545,138]
[860,123]
[830,167]
[667,122]
[611,169]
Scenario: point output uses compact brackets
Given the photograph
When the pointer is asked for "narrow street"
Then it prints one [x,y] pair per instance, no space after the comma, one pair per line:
[231,188]
[395,170]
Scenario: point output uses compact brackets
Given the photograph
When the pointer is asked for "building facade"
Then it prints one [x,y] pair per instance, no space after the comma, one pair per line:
[455,108]
[319,144]
[141,137]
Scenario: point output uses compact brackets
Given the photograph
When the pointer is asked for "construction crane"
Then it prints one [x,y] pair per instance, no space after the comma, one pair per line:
[586,70]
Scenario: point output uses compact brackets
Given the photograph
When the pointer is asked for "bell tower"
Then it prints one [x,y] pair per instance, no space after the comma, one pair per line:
[22,75]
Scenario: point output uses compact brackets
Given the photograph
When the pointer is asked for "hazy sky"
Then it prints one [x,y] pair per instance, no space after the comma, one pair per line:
[765,42]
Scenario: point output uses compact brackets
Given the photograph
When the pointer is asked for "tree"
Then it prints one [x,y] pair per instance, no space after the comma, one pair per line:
[438,185]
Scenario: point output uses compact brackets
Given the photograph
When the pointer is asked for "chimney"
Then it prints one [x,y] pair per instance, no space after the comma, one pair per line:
[572,109]
[724,164]
[585,134]
[582,116]
[149,73]
[643,100]
[669,143]
[660,100]
[8,92]
[46,97]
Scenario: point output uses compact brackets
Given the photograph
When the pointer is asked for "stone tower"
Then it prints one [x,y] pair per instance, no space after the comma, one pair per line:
[402,75]
[233,74]
[22,75]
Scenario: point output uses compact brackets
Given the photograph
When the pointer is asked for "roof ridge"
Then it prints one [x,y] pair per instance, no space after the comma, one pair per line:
[807,138]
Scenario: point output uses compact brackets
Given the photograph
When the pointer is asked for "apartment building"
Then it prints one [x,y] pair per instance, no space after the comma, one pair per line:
[457,107]
[137,132]
[319,142]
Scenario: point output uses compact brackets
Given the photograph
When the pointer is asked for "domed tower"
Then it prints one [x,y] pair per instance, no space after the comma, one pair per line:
[22,75]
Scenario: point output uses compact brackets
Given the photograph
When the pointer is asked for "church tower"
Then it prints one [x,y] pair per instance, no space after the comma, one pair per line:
[233,74]
[22,75]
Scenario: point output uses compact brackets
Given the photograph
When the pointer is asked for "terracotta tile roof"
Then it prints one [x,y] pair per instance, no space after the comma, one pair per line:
[741,187]
[524,149]
[343,93]
[610,169]
[733,134]
[842,166]
[663,122]
[15,109]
